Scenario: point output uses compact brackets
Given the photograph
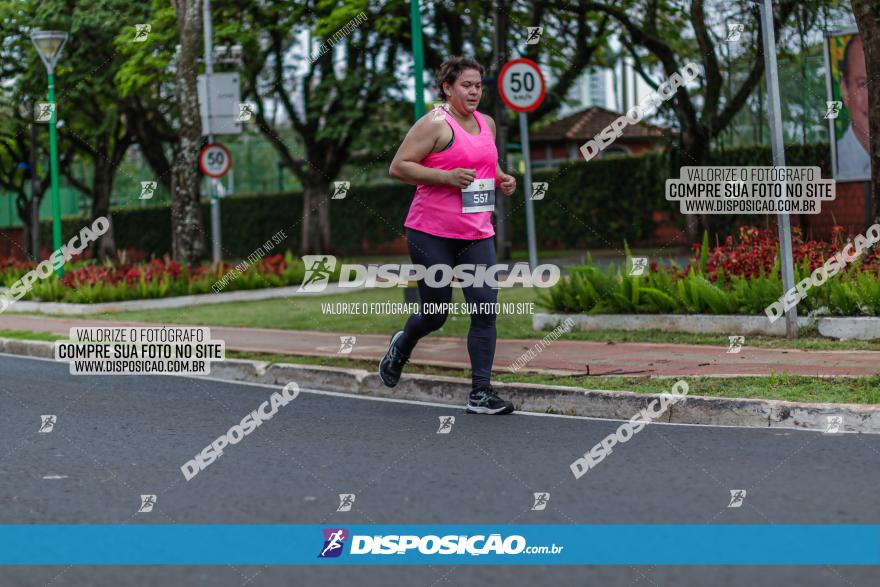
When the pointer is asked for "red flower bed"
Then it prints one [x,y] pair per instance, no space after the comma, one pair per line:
[756,249]
[155,270]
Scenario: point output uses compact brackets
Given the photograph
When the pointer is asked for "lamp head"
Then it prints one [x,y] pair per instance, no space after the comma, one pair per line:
[49,45]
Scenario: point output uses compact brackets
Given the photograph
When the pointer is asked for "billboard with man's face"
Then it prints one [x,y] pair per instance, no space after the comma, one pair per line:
[847,111]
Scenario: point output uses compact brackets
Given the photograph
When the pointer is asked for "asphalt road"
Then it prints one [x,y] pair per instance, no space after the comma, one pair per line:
[117,437]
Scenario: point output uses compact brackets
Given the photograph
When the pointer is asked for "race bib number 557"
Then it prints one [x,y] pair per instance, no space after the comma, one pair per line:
[479,196]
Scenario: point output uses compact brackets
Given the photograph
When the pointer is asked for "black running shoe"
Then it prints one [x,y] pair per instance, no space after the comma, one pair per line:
[392,363]
[485,400]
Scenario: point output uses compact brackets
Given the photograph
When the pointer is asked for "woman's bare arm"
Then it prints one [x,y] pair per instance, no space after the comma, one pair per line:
[418,143]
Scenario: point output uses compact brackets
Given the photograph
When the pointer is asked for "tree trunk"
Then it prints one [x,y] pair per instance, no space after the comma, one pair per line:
[315,229]
[694,152]
[105,247]
[324,220]
[187,242]
[867,14]
[24,207]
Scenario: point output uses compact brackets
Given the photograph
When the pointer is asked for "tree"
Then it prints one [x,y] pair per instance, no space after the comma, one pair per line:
[187,243]
[21,170]
[867,14]
[671,33]
[328,96]
[91,128]
[147,86]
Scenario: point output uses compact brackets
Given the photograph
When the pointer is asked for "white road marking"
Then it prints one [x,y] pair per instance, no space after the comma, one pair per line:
[447,406]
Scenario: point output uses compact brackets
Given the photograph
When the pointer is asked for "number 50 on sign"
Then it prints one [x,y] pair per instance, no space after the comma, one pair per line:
[215,160]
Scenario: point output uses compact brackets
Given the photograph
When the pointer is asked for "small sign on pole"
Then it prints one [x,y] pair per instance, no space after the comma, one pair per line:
[522,88]
[215,160]
[224,102]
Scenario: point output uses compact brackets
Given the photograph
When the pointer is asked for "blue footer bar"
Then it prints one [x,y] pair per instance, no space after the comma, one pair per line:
[248,544]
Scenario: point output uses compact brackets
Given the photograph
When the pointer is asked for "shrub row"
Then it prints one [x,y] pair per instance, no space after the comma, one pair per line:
[588,204]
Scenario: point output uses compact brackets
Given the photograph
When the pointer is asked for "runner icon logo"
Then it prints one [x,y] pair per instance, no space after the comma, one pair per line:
[319,268]
[148,188]
[737,496]
[446,423]
[834,424]
[734,31]
[437,112]
[346,344]
[346,500]
[48,423]
[539,189]
[141,32]
[541,499]
[334,541]
[736,344]
[340,189]
[245,112]
[832,109]
[639,264]
[147,503]
[43,111]
[533,34]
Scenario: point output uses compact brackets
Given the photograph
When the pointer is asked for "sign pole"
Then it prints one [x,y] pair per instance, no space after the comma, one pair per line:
[527,190]
[774,117]
[415,17]
[522,88]
[212,183]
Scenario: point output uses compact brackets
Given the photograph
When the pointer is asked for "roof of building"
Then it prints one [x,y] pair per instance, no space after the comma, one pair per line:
[586,124]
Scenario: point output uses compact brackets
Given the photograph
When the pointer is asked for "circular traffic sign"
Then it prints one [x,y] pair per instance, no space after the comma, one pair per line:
[215,160]
[522,85]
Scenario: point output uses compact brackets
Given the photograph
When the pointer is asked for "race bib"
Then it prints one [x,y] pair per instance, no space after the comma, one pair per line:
[479,196]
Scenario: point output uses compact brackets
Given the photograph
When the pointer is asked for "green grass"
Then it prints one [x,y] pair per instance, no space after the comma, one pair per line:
[860,390]
[30,335]
[856,390]
[304,313]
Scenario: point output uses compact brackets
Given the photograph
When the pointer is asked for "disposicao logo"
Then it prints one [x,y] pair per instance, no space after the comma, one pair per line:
[334,540]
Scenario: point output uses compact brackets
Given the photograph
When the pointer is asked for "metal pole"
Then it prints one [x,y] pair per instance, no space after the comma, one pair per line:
[53,171]
[415,17]
[35,201]
[527,189]
[774,117]
[502,205]
[209,71]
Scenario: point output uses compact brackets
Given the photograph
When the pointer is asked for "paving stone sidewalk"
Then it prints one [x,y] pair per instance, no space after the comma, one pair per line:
[561,356]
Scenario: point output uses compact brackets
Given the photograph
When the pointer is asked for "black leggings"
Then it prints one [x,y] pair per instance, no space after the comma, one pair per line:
[427,249]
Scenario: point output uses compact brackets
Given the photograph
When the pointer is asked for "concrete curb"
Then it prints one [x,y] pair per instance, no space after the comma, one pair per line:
[855,327]
[556,399]
[247,295]
[690,323]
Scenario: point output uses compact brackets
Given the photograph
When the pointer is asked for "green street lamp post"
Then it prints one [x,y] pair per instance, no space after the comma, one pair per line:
[49,45]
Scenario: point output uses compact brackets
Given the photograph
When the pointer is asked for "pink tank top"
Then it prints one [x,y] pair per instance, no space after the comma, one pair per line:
[437,209]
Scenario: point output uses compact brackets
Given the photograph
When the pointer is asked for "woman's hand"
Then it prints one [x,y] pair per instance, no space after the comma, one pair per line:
[507,183]
[460,177]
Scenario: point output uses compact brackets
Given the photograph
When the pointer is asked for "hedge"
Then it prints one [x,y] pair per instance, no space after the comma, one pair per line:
[592,204]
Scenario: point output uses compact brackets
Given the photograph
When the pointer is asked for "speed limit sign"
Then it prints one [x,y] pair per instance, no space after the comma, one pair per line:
[215,160]
[522,85]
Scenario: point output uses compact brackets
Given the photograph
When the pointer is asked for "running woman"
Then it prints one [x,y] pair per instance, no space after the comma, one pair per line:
[450,155]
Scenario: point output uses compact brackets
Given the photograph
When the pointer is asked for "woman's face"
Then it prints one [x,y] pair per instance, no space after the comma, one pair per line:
[464,95]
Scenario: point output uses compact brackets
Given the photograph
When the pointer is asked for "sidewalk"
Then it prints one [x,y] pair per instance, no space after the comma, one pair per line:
[561,357]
